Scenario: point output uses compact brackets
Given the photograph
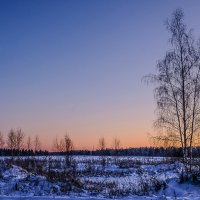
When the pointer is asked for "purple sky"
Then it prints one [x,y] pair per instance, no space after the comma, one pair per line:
[76,66]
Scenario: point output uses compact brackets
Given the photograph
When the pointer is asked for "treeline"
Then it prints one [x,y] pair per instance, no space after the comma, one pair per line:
[142,151]
[22,152]
[16,144]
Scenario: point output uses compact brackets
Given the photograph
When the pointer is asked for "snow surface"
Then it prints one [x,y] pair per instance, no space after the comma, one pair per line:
[17,183]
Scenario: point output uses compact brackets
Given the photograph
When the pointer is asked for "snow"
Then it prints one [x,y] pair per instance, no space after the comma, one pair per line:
[15,173]
[121,178]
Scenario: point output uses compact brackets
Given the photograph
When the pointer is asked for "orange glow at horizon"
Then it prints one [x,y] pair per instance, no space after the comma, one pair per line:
[81,143]
[129,134]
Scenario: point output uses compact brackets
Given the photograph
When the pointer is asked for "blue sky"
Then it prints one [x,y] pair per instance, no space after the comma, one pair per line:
[76,66]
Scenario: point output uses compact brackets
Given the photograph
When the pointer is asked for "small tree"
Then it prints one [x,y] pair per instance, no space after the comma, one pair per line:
[28,143]
[19,139]
[68,147]
[11,140]
[37,143]
[58,145]
[102,148]
[116,145]
[102,144]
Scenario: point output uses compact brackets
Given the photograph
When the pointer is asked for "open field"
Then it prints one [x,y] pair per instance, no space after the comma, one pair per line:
[94,177]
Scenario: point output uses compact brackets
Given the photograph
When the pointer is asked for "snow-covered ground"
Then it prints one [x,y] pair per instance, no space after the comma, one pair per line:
[94,178]
[81,198]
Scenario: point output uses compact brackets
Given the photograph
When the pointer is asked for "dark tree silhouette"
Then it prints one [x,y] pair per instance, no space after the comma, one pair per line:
[37,143]
[68,147]
[178,88]
[102,144]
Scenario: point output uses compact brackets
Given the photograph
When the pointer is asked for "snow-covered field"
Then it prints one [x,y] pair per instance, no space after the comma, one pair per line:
[94,178]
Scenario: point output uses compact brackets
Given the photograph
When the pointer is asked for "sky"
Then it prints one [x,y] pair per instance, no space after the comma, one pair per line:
[76,67]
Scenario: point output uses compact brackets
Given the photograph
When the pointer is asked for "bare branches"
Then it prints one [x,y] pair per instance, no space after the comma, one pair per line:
[37,143]
[116,143]
[19,139]
[178,87]
[102,144]
[59,145]
[29,144]
[11,140]
[68,144]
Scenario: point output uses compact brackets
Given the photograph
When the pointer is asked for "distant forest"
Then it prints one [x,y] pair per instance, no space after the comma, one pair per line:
[142,151]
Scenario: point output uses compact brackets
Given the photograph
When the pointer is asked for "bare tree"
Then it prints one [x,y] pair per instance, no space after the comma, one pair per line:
[68,144]
[11,140]
[102,148]
[59,145]
[102,144]
[68,147]
[116,145]
[19,139]
[28,143]
[2,142]
[65,145]
[15,139]
[178,88]
[55,146]
[37,143]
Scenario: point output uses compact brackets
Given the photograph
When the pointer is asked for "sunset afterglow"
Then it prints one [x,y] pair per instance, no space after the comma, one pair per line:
[76,67]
